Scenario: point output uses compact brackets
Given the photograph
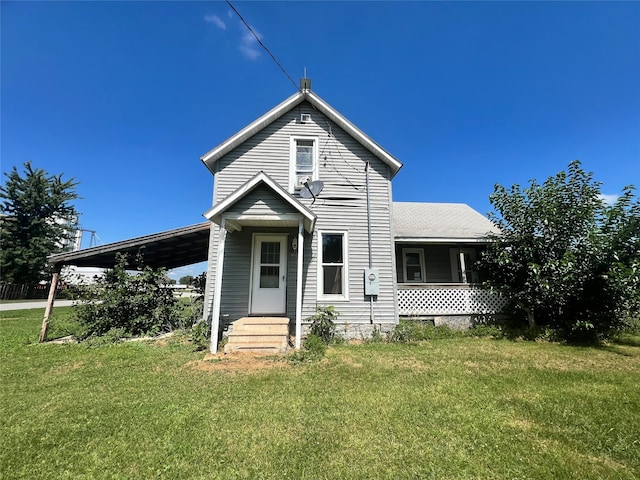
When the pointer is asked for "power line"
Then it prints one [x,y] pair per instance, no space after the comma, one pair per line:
[263,45]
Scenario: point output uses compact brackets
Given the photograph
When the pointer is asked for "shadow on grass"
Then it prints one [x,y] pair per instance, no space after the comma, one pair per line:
[628,339]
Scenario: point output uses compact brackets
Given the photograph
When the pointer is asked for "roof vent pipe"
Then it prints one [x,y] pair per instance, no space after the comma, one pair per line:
[305,84]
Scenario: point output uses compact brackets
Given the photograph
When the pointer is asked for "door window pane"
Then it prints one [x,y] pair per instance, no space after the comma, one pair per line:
[269,277]
[270,253]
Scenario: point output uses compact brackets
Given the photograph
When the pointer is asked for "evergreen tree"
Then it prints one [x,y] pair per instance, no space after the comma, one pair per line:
[38,221]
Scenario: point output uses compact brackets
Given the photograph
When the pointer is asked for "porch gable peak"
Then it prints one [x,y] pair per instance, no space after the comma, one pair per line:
[235,220]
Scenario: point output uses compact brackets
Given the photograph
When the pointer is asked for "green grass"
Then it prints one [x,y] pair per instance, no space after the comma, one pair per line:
[450,408]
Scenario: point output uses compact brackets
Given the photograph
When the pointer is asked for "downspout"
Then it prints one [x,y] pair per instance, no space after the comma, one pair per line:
[366,170]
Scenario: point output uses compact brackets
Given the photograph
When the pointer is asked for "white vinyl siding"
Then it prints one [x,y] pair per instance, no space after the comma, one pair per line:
[341,206]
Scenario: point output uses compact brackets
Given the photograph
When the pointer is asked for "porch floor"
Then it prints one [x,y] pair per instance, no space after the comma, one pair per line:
[259,335]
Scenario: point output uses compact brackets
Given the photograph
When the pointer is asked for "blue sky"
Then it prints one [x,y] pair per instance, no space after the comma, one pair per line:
[126,96]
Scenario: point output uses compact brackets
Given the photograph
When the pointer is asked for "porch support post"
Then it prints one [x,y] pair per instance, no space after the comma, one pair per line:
[217,293]
[50,300]
[299,284]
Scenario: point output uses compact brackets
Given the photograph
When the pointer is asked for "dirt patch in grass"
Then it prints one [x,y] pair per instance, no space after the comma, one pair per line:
[62,369]
[239,362]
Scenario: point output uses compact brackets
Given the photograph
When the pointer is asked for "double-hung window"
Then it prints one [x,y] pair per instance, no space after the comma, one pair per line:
[332,271]
[413,265]
[303,161]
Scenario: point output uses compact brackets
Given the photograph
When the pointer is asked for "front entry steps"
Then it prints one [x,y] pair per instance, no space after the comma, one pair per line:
[259,335]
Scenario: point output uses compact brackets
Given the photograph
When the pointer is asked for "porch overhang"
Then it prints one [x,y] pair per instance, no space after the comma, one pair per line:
[235,220]
[447,240]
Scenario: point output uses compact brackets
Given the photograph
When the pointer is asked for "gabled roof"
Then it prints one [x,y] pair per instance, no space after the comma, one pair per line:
[439,222]
[211,157]
[217,213]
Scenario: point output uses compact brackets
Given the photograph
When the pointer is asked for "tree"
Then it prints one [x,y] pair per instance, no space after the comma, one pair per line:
[564,257]
[186,280]
[132,304]
[38,216]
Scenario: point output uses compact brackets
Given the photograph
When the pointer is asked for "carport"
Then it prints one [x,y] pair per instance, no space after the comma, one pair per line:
[168,249]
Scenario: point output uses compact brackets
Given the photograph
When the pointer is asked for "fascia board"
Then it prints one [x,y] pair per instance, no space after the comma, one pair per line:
[254,127]
[355,132]
[214,213]
[247,132]
[133,242]
[482,240]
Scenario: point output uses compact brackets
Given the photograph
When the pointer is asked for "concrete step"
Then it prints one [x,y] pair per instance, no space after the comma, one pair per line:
[262,321]
[254,347]
[261,329]
[251,338]
[259,335]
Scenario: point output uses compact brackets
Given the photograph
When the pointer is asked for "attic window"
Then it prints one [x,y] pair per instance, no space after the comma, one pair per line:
[303,161]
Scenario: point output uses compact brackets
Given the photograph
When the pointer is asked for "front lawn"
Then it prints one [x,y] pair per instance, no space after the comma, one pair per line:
[451,408]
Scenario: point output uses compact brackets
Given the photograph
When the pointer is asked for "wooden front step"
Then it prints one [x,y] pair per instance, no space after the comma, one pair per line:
[259,335]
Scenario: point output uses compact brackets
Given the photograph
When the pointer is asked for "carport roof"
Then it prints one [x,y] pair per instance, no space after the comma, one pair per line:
[169,249]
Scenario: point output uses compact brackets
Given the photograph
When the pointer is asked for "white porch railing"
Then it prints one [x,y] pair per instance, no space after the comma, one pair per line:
[446,299]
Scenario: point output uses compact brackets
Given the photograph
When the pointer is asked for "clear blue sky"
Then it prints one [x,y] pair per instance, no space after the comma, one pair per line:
[126,96]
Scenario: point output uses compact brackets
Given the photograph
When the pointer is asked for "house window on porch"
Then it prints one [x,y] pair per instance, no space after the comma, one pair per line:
[413,265]
[333,266]
[463,265]
[303,162]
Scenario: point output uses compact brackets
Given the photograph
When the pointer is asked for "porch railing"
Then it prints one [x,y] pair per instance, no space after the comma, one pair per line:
[447,299]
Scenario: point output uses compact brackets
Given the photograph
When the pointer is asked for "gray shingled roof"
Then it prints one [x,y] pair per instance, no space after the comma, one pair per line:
[439,221]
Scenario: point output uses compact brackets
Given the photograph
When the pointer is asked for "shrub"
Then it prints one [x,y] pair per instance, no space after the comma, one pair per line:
[200,334]
[485,331]
[313,348]
[414,331]
[323,323]
[138,304]
[111,337]
[376,337]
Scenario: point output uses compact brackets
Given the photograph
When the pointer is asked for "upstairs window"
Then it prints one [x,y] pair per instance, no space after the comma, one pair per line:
[303,162]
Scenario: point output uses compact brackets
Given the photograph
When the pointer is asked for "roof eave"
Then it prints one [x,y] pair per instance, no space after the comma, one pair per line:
[247,132]
[215,213]
[210,158]
[355,132]
[409,239]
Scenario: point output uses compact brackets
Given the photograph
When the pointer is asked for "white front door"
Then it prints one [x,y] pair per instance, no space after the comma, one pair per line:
[269,274]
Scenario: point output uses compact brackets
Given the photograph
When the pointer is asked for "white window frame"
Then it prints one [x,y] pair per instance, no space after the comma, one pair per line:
[292,160]
[345,267]
[457,258]
[423,272]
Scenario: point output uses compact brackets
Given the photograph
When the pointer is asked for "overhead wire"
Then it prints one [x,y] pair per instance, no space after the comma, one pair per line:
[255,35]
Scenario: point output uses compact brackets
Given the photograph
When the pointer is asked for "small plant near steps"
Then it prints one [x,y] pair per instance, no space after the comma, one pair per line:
[259,335]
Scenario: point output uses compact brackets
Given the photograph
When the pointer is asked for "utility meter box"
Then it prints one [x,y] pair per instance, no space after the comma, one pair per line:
[371,281]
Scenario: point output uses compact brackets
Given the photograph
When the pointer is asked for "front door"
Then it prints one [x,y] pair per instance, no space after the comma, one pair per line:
[269,275]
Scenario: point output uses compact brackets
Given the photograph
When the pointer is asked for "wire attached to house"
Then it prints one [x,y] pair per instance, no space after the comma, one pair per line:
[263,45]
